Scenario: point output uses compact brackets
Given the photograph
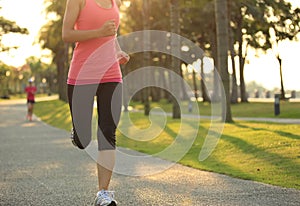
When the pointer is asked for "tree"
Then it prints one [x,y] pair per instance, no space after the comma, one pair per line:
[175,45]
[43,73]
[146,54]
[284,26]
[5,72]
[222,43]
[237,29]
[146,15]
[50,37]
[200,26]
[252,21]
[205,96]
[7,26]
[234,86]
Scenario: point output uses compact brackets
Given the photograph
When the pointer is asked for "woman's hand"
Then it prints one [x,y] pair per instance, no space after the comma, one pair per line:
[123,57]
[108,29]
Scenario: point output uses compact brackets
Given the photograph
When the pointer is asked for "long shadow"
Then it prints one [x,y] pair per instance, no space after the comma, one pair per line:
[170,131]
[212,162]
[247,148]
[287,134]
[281,133]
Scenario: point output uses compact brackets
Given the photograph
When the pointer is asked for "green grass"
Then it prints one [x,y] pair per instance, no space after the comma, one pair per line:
[55,113]
[287,110]
[264,152]
[253,109]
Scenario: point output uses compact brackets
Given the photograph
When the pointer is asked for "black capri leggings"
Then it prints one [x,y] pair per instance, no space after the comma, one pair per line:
[109,103]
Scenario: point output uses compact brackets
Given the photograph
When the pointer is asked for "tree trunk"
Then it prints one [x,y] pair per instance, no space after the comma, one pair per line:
[146,40]
[185,96]
[62,90]
[61,61]
[205,96]
[195,85]
[244,96]
[234,87]
[216,90]
[153,94]
[282,95]
[175,28]
[125,90]
[222,42]
[162,76]
[234,92]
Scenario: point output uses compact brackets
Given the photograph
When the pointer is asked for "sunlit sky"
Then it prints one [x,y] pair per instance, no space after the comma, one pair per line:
[29,14]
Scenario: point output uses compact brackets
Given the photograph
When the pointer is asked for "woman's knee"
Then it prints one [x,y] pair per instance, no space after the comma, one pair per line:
[107,137]
[82,140]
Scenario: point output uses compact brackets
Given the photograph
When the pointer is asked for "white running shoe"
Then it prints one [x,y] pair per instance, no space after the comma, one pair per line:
[105,198]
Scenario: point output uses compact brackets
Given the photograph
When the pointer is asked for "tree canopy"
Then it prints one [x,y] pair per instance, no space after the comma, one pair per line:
[258,24]
[7,26]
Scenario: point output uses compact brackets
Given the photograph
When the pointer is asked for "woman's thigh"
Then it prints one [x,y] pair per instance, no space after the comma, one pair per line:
[81,99]
[109,104]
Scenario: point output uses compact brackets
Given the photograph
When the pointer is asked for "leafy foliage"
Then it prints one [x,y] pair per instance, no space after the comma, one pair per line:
[7,26]
[253,23]
[50,37]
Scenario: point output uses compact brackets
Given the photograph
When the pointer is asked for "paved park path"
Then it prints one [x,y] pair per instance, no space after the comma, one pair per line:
[39,166]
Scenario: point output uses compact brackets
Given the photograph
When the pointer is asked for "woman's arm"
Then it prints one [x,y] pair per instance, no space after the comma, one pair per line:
[69,34]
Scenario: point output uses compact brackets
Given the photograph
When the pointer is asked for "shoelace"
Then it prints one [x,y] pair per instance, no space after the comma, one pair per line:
[110,193]
[72,138]
[104,195]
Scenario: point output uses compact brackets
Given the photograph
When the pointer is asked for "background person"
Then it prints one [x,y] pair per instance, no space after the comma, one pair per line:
[30,90]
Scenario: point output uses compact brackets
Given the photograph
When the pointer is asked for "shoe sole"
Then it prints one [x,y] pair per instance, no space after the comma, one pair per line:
[112,204]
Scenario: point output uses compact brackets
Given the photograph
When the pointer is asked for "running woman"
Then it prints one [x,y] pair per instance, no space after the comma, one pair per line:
[95,71]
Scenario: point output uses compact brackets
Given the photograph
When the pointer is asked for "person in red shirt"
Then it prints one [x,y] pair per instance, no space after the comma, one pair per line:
[30,90]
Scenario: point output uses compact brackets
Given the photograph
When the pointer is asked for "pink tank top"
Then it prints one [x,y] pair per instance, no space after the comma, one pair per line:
[95,61]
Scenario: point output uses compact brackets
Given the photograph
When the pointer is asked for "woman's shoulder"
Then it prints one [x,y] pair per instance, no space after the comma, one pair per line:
[119,2]
[76,3]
